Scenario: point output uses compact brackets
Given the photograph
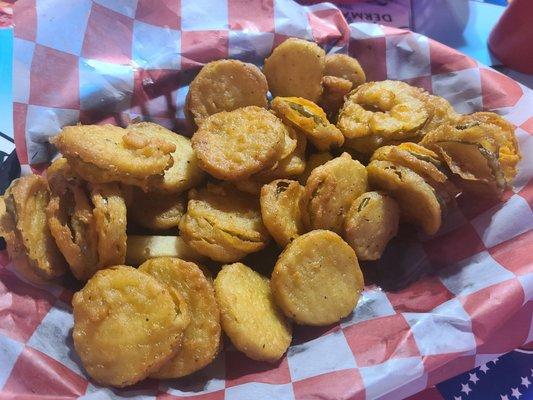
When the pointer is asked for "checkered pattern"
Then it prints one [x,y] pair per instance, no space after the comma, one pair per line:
[110,60]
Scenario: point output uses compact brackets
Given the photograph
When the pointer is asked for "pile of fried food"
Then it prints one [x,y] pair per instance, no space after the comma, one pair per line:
[146,216]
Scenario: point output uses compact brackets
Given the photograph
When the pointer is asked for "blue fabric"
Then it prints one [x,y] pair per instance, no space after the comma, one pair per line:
[509,377]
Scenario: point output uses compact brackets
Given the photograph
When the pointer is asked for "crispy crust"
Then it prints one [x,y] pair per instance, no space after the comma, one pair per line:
[280,210]
[249,315]
[223,223]
[309,118]
[202,338]
[26,200]
[295,68]
[417,199]
[71,221]
[383,111]
[370,223]
[107,153]
[345,67]
[334,91]
[157,211]
[185,171]
[126,325]
[110,218]
[236,144]
[317,279]
[225,85]
[330,190]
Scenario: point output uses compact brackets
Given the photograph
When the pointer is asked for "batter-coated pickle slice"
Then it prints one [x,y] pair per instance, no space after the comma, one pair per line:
[236,144]
[418,201]
[345,67]
[185,171]
[71,221]
[280,209]
[295,68]
[126,325]
[108,153]
[35,253]
[225,85]
[223,223]
[317,279]
[370,223]
[250,317]
[330,190]
[309,118]
[201,338]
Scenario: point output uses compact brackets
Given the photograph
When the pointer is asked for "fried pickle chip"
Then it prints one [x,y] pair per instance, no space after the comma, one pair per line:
[314,161]
[223,223]
[418,201]
[377,112]
[15,247]
[110,219]
[30,243]
[425,163]
[480,149]
[280,209]
[201,338]
[330,190]
[334,91]
[309,118]
[126,325]
[236,144]
[71,221]
[157,211]
[107,153]
[184,172]
[370,223]
[145,247]
[317,279]
[295,68]
[345,67]
[290,166]
[225,85]
[440,112]
[249,315]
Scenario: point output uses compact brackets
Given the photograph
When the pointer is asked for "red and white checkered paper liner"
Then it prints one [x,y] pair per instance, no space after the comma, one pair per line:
[110,60]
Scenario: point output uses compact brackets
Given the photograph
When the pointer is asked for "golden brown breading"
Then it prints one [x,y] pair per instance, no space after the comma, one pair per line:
[280,210]
[126,325]
[157,211]
[418,201]
[184,172]
[201,339]
[110,219]
[236,144]
[370,223]
[25,228]
[225,85]
[223,223]
[71,220]
[310,119]
[317,279]
[330,190]
[107,153]
[250,317]
[345,67]
[295,68]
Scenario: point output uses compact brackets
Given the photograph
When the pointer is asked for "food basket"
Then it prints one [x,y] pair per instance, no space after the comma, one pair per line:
[434,306]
